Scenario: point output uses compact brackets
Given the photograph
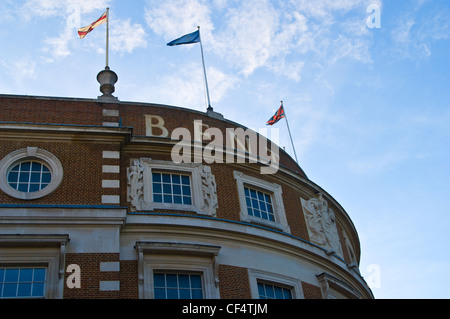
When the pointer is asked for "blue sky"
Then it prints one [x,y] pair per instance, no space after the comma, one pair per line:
[368,107]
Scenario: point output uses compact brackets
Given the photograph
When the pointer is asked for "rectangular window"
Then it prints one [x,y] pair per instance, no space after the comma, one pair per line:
[177,286]
[171,188]
[23,282]
[259,204]
[270,291]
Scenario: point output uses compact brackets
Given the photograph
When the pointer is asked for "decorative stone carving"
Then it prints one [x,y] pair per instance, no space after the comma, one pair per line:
[135,189]
[139,188]
[210,201]
[321,223]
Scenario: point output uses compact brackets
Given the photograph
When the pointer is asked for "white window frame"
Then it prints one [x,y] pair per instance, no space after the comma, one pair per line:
[43,250]
[274,190]
[275,279]
[30,154]
[194,171]
[177,257]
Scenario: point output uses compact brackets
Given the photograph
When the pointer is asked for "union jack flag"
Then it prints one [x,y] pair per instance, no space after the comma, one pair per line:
[277,116]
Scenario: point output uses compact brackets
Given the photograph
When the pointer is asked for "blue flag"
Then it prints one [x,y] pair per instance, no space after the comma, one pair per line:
[193,37]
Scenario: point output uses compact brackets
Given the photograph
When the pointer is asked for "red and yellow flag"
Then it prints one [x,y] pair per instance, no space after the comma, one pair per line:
[82,32]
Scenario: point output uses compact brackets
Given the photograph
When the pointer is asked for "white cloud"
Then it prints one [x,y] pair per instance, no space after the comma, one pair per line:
[20,68]
[172,19]
[186,87]
[418,30]
[125,37]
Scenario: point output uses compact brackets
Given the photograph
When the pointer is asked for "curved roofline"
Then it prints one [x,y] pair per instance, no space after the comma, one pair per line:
[211,114]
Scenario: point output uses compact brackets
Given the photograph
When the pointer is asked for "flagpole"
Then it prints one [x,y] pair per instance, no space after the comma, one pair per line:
[107,38]
[289,130]
[204,70]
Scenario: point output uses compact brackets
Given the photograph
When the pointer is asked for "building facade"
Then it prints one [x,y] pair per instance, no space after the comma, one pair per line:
[101,198]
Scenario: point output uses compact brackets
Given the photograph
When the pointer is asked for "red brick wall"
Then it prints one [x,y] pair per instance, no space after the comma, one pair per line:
[234,282]
[91,276]
[311,292]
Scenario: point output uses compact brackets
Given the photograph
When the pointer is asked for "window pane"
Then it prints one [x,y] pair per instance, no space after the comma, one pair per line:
[46,177]
[197,294]
[159,280]
[34,188]
[177,189]
[156,177]
[167,189]
[185,180]
[36,167]
[172,293]
[160,293]
[261,291]
[12,177]
[12,275]
[23,188]
[24,177]
[39,274]
[157,198]
[35,177]
[187,200]
[9,290]
[167,199]
[278,292]
[166,178]
[186,191]
[157,188]
[196,281]
[184,281]
[171,280]
[38,290]
[185,294]
[287,294]
[177,200]
[25,166]
[26,274]
[176,179]
[24,290]
[269,291]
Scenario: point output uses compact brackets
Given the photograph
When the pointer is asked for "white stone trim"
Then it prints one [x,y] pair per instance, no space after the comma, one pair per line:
[110,199]
[113,285]
[184,257]
[110,169]
[110,124]
[29,154]
[110,183]
[111,154]
[114,113]
[276,192]
[275,279]
[110,266]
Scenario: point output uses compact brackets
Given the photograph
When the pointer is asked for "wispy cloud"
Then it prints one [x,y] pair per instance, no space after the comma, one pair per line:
[74,14]
[418,30]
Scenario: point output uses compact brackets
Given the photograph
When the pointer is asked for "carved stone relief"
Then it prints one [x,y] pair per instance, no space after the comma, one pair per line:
[135,187]
[204,193]
[209,190]
[321,223]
